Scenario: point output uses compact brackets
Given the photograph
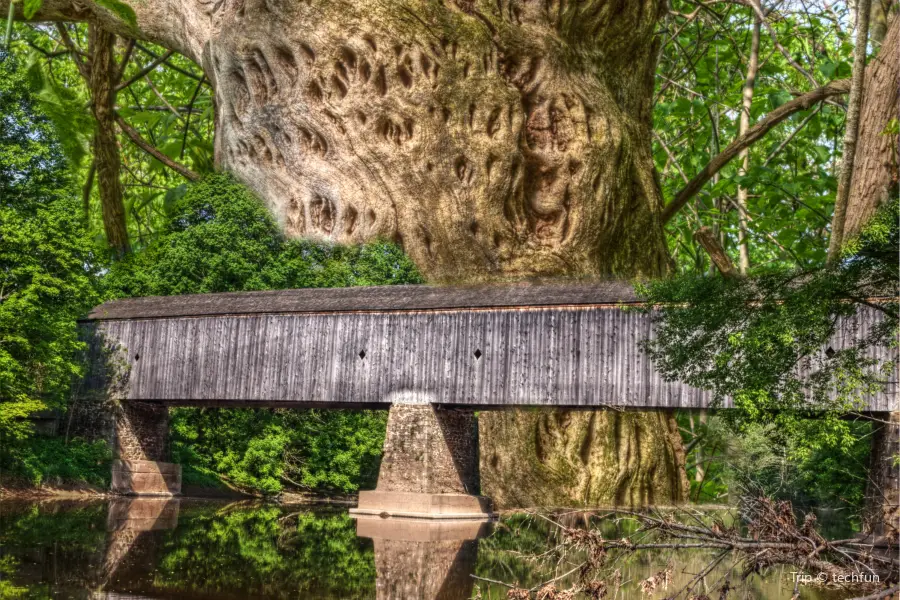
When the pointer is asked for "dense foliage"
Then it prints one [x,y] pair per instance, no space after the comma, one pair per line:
[746,337]
[45,285]
[791,175]
[763,341]
[220,238]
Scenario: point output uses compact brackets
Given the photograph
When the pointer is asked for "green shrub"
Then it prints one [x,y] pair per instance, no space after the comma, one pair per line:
[49,460]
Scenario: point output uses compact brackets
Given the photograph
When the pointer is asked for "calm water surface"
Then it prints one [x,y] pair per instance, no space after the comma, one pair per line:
[200,549]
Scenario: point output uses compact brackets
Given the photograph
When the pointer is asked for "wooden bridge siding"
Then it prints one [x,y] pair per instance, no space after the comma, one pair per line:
[576,356]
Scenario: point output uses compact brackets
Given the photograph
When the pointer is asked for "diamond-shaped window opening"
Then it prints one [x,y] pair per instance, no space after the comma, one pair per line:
[477,354]
[362,354]
[830,352]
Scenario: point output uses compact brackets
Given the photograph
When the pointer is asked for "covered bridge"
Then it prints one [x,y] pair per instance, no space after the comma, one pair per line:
[567,345]
[432,354]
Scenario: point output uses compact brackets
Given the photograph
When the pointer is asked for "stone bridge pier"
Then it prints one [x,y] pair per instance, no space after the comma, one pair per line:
[141,447]
[429,468]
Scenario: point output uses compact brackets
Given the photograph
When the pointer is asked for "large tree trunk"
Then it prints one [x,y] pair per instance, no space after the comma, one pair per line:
[508,142]
[875,170]
[491,138]
[586,458]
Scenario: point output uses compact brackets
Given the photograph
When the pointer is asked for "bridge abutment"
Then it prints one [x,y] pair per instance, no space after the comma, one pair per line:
[141,448]
[429,468]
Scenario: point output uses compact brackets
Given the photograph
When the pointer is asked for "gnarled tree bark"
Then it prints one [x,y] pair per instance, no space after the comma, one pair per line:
[492,139]
[875,168]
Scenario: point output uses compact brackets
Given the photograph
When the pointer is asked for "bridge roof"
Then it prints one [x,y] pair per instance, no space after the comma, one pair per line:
[388,298]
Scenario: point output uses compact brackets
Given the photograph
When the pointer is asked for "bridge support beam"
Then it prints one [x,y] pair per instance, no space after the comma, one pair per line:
[141,436]
[429,468]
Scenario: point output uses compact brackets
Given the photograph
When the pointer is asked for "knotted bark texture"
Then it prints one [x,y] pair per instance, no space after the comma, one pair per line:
[491,139]
[582,458]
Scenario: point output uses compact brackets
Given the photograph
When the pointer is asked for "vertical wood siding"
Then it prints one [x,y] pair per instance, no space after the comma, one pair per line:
[586,356]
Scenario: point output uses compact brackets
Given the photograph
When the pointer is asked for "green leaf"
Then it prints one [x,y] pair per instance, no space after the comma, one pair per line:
[30,7]
[120,9]
[778,98]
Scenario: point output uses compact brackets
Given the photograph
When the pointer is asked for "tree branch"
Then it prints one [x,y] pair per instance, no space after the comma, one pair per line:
[174,24]
[169,64]
[152,65]
[757,8]
[754,134]
[126,57]
[879,595]
[141,143]
[86,189]
[74,50]
[710,242]
[187,121]
[788,139]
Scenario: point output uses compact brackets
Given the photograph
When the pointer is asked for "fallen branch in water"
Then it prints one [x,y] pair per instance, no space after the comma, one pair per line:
[771,536]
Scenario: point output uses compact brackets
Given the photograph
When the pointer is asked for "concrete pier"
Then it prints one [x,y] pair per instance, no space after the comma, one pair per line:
[141,445]
[430,466]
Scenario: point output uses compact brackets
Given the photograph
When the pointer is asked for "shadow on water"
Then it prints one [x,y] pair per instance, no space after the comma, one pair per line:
[171,548]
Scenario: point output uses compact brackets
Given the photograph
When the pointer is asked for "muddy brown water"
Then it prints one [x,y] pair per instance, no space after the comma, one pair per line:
[183,548]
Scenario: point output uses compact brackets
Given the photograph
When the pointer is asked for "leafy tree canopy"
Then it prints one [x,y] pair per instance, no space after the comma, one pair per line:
[45,261]
[751,339]
[745,338]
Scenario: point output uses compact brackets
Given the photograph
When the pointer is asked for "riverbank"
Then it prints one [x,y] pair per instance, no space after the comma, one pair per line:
[20,490]
[15,490]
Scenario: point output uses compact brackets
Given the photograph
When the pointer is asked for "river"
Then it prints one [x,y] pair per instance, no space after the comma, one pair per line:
[183,548]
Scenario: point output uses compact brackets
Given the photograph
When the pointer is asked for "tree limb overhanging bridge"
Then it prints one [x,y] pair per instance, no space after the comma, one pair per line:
[524,344]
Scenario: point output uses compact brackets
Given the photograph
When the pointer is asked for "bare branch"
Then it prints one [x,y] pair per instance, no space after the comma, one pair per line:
[754,134]
[789,138]
[141,143]
[140,74]
[882,594]
[126,58]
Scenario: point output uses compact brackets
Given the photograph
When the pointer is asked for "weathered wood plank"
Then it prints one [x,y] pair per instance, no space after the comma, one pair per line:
[572,356]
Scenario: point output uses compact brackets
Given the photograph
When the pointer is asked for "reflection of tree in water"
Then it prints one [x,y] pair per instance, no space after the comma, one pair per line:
[262,551]
[59,542]
[216,551]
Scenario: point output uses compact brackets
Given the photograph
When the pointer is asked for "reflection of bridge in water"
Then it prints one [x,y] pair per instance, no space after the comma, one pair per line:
[415,559]
[423,559]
